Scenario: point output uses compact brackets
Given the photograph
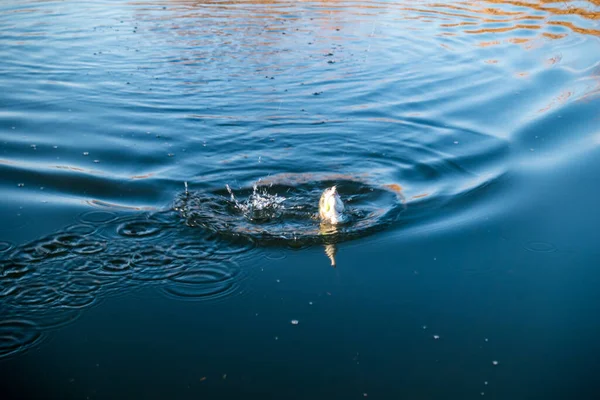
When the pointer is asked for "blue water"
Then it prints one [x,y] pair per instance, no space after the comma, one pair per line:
[463,136]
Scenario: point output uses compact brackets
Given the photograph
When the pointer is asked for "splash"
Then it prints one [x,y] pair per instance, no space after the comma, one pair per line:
[260,206]
[280,213]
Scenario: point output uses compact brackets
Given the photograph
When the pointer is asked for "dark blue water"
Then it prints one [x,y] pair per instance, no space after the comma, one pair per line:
[137,261]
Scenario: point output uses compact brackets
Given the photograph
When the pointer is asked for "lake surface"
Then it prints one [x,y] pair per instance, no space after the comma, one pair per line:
[137,261]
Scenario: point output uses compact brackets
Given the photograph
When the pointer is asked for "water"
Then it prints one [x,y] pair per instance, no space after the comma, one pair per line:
[161,166]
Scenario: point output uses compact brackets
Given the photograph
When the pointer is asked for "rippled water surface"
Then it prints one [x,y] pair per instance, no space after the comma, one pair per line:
[161,165]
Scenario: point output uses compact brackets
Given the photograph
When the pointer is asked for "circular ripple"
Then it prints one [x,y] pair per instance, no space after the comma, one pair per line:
[153,264]
[276,255]
[540,247]
[97,217]
[143,228]
[232,248]
[81,285]
[77,301]
[204,281]
[81,229]
[5,246]
[138,229]
[53,317]
[90,247]
[13,270]
[40,251]
[82,265]
[37,294]
[197,250]
[71,239]
[115,265]
[17,335]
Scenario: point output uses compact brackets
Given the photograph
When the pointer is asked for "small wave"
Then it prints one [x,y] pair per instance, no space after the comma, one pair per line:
[17,335]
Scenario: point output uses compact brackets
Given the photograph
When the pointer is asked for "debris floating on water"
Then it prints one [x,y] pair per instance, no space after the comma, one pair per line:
[295,322]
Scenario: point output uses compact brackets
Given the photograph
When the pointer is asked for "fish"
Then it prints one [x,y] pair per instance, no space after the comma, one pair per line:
[331,207]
